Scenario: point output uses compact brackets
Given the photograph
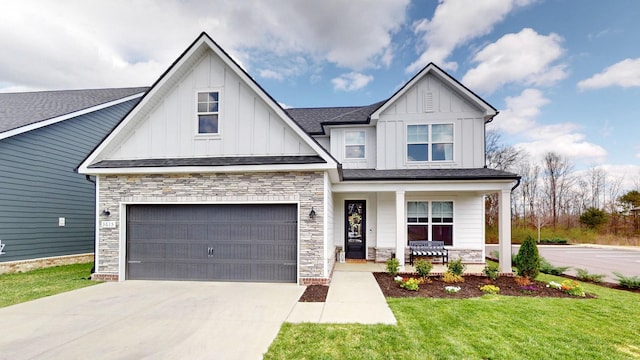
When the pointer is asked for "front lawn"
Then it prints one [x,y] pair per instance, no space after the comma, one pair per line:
[490,327]
[21,287]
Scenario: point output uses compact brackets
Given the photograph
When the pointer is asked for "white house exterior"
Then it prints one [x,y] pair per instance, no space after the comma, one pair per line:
[208,178]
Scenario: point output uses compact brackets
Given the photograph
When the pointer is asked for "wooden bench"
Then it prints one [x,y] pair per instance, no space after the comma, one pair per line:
[420,248]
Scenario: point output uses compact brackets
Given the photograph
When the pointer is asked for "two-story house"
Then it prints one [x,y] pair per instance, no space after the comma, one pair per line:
[208,178]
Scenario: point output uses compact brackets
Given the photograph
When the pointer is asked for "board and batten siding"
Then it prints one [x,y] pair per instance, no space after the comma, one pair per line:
[38,185]
[247,125]
[430,101]
[338,147]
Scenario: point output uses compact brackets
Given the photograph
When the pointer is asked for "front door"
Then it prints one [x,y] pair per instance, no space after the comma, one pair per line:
[355,229]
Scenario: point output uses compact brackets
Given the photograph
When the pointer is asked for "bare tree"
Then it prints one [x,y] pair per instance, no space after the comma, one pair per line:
[557,181]
[528,189]
[499,157]
[597,178]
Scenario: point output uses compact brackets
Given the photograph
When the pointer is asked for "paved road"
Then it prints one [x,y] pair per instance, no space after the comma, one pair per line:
[149,320]
[597,259]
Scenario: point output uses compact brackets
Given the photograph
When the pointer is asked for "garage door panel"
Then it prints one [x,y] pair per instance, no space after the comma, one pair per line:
[212,242]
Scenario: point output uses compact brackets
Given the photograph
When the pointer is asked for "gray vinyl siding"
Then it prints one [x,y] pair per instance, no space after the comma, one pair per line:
[38,185]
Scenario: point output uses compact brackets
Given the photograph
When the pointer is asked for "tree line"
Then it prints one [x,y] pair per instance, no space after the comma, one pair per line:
[552,194]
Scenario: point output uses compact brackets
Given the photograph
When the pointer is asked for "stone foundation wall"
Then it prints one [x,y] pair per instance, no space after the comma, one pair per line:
[467,255]
[383,254]
[33,264]
[305,188]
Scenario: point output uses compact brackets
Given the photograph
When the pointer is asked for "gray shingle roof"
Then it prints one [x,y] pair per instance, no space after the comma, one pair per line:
[313,119]
[427,174]
[20,109]
[208,161]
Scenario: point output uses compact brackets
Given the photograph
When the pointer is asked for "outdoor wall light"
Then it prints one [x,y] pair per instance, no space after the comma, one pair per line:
[105,213]
[312,213]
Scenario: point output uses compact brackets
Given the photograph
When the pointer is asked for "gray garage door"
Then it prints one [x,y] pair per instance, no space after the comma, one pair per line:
[212,242]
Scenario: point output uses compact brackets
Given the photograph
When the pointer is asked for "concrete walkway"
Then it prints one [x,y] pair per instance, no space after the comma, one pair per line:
[354,297]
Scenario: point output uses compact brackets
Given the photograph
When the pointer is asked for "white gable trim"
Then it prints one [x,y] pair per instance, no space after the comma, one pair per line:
[41,124]
[489,111]
[175,70]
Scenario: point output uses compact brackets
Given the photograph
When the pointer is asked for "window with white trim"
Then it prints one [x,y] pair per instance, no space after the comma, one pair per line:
[208,112]
[430,142]
[354,147]
[430,221]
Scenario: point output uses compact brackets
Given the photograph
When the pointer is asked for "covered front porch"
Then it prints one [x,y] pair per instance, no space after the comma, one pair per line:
[375,221]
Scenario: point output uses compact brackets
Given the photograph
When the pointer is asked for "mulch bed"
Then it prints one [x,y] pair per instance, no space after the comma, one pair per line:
[314,293]
[434,288]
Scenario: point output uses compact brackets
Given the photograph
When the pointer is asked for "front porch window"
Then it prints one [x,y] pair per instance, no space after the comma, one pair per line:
[438,226]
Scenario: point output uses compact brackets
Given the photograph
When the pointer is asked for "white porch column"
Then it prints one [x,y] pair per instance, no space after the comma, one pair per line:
[401,231]
[504,231]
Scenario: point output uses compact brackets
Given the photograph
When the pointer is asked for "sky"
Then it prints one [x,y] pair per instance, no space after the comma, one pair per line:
[564,74]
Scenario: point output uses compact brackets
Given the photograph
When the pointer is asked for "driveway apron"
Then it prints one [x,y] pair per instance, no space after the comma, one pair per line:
[149,320]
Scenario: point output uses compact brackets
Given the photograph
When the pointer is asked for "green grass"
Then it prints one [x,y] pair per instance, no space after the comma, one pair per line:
[21,287]
[490,327]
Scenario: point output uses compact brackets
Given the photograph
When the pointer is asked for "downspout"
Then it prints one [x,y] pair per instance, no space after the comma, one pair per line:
[516,185]
[93,269]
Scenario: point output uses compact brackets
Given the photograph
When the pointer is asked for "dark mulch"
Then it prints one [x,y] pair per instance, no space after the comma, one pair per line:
[314,293]
[434,288]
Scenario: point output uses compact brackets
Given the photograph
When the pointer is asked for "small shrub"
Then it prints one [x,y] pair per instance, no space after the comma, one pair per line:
[412,284]
[547,268]
[523,280]
[491,270]
[489,289]
[452,289]
[456,267]
[572,287]
[584,275]
[528,259]
[393,266]
[630,282]
[554,285]
[451,278]
[423,267]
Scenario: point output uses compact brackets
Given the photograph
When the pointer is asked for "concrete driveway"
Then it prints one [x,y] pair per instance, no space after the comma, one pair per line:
[149,320]
[597,259]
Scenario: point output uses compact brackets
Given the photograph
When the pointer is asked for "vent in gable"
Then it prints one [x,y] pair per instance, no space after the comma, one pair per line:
[428,101]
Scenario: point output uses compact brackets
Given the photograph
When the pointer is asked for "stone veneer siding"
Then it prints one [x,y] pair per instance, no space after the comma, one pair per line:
[305,188]
[33,264]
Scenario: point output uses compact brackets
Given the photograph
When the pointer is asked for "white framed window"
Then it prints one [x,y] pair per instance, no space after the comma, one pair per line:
[354,147]
[430,220]
[208,112]
[430,142]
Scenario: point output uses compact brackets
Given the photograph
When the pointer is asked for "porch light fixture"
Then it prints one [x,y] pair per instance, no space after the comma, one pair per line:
[105,213]
[312,213]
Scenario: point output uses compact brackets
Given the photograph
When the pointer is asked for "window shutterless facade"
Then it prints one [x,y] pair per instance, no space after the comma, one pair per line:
[430,220]
[354,144]
[430,142]
[208,110]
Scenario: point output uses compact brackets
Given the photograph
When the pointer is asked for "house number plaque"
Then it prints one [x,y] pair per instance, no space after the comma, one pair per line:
[108,224]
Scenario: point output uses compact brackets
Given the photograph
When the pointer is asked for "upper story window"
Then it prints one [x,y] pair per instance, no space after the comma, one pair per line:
[354,147]
[208,112]
[430,142]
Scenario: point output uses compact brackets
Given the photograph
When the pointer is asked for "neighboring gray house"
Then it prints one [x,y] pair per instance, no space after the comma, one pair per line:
[46,207]
[208,178]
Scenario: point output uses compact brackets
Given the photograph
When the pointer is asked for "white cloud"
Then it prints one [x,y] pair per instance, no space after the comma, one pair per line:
[351,81]
[75,43]
[524,58]
[270,74]
[454,23]
[624,73]
[563,139]
[521,112]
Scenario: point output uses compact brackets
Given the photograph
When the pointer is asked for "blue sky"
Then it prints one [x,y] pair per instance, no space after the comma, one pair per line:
[564,74]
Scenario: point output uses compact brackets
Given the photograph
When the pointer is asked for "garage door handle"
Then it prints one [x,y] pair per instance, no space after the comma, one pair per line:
[134,262]
[289,264]
[210,252]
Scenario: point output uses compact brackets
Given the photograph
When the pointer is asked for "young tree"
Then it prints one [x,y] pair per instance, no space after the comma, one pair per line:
[528,259]
[593,218]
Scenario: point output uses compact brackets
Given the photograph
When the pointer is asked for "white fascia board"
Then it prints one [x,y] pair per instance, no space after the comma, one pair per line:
[41,124]
[209,169]
[479,186]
